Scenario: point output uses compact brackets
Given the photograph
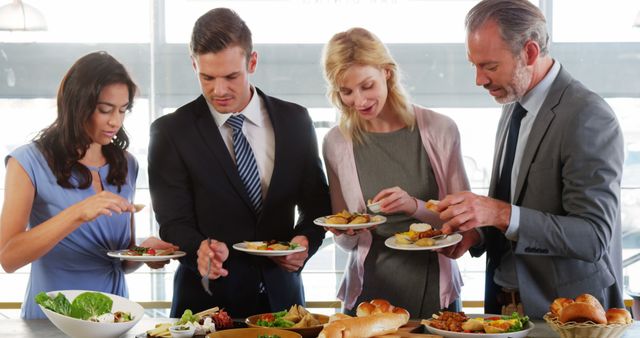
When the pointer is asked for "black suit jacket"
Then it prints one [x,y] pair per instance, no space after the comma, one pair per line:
[196,192]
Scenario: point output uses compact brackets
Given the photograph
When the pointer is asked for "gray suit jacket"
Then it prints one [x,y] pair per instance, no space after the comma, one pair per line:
[568,190]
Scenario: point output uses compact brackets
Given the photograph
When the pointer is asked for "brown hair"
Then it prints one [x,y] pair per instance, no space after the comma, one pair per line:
[218,29]
[66,141]
[358,46]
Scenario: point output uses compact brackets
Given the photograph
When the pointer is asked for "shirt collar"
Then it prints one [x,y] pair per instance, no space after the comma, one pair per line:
[251,111]
[534,99]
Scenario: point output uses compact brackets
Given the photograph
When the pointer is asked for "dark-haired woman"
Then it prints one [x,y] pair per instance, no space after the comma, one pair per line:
[68,194]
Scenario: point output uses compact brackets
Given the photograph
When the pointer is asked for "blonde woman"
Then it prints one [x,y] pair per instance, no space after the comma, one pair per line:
[389,150]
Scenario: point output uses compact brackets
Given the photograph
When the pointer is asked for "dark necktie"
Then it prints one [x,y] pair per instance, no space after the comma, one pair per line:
[246,162]
[503,189]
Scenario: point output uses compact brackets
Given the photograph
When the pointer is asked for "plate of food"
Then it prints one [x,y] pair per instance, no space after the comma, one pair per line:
[269,248]
[458,325]
[297,319]
[144,254]
[421,236]
[349,220]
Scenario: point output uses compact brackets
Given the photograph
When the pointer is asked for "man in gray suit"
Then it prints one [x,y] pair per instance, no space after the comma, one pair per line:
[551,226]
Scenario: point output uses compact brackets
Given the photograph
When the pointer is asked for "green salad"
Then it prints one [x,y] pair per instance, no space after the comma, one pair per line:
[275,320]
[93,306]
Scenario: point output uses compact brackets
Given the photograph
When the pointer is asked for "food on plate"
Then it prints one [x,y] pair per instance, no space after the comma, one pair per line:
[418,231]
[432,205]
[459,322]
[91,306]
[377,317]
[618,316]
[271,245]
[138,207]
[144,251]
[345,217]
[203,322]
[296,317]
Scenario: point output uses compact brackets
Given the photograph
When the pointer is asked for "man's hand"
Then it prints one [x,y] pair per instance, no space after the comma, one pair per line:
[295,261]
[217,252]
[469,239]
[465,211]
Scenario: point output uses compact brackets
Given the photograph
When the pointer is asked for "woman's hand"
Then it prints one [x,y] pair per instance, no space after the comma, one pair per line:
[349,231]
[157,244]
[102,203]
[396,200]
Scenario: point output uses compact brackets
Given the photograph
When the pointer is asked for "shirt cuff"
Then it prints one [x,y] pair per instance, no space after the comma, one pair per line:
[514,224]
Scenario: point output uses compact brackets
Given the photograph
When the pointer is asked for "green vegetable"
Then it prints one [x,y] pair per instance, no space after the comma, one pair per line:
[188,317]
[520,323]
[268,336]
[278,321]
[60,304]
[84,306]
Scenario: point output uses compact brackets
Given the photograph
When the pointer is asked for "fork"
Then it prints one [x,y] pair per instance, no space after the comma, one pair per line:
[205,279]
[443,236]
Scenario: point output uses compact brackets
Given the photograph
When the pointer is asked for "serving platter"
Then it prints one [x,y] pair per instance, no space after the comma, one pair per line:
[440,243]
[450,334]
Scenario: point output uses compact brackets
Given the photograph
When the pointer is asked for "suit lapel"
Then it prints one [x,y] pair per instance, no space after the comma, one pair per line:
[206,126]
[540,127]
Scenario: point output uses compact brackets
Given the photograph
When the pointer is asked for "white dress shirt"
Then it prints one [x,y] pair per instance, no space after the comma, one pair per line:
[258,131]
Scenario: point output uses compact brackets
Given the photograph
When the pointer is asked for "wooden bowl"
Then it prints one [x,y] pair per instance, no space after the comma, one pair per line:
[253,332]
[305,332]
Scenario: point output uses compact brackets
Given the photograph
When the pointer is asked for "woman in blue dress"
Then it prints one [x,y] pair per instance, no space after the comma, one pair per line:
[68,194]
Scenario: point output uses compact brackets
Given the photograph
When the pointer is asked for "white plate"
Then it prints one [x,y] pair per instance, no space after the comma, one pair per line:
[376,219]
[450,334]
[122,254]
[440,243]
[243,247]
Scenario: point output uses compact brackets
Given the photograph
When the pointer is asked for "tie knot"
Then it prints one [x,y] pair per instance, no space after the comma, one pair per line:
[518,112]
[236,121]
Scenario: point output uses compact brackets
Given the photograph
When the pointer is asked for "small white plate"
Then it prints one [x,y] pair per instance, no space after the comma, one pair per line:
[243,247]
[451,334]
[122,254]
[375,220]
[440,243]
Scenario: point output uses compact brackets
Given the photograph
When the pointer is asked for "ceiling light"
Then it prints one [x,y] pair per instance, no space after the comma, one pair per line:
[19,16]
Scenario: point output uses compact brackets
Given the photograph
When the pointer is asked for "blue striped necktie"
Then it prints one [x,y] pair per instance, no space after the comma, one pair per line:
[246,162]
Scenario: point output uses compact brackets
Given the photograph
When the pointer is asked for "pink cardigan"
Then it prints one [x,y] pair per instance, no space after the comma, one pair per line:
[441,140]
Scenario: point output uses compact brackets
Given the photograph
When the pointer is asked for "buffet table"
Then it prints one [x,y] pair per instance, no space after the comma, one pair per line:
[44,328]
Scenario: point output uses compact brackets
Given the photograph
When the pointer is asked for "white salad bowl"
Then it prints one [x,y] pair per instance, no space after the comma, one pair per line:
[78,328]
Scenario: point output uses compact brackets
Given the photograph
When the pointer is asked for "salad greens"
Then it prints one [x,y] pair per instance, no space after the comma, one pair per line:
[86,305]
[188,317]
[275,320]
[518,322]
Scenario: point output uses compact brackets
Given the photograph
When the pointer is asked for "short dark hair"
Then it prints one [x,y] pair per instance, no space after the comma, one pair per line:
[519,21]
[218,29]
[66,141]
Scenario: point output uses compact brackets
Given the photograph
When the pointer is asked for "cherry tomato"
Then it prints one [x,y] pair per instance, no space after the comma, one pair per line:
[151,251]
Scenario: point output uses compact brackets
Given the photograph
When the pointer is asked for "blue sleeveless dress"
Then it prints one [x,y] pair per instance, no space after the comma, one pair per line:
[79,261]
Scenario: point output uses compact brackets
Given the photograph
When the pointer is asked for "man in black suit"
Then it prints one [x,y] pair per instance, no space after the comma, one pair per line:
[201,187]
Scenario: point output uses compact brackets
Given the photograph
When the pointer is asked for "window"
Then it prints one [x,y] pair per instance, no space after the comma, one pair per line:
[425,36]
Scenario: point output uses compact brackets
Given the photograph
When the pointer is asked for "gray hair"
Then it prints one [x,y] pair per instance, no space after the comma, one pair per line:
[519,21]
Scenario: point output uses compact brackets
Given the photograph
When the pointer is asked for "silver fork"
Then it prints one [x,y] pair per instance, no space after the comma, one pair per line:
[443,236]
[205,279]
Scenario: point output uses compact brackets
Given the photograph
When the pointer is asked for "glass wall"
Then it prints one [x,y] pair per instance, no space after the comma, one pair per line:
[599,47]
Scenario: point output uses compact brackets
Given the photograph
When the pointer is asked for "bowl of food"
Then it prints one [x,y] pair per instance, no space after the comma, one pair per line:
[80,313]
[255,332]
[182,331]
[297,320]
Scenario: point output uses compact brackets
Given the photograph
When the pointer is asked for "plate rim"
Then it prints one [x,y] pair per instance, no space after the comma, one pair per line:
[118,254]
[350,226]
[413,247]
[237,246]
[445,333]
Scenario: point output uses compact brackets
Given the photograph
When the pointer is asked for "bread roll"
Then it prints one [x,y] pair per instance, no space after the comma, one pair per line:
[618,316]
[369,326]
[558,304]
[580,312]
[587,298]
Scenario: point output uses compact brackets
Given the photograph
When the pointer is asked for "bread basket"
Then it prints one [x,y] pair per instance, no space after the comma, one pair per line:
[586,329]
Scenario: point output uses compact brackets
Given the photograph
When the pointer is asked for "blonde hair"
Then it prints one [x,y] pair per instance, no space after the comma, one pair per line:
[358,46]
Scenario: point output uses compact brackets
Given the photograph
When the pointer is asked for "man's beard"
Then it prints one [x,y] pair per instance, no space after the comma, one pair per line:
[519,83]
